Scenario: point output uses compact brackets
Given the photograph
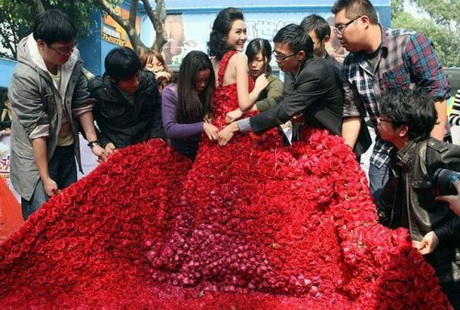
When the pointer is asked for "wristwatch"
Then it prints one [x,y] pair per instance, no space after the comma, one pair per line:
[91,144]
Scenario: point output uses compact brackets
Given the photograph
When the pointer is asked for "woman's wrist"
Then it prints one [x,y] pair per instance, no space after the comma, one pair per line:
[92,143]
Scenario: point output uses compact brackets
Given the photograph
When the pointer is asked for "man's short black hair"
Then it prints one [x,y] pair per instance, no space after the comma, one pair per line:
[356,8]
[317,24]
[122,63]
[413,108]
[294,36]
[54,26]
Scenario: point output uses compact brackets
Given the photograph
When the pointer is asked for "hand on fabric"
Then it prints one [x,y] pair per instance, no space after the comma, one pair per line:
[100,152]
[211,131]
[110,148]
[453,200]
[51,187]
[428,244]
[233,116]
[227,133]
[261,82]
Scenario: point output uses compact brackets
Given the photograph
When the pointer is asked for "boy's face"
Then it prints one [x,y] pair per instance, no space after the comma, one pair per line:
[350,32]
[390,134]
[129,85]
[319,47]
[57,53]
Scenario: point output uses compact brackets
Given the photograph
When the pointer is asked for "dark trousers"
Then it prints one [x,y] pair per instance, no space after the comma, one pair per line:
[62,169]
[446,263]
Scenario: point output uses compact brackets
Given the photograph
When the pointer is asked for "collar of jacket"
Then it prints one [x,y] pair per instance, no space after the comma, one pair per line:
[304,63]
[407,153]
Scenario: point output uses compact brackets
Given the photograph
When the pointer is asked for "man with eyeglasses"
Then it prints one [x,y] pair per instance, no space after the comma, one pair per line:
[408,199]
[49,97]
[380,60]
[317,93]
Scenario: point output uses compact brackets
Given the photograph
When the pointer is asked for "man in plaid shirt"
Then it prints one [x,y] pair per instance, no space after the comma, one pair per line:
[379,60]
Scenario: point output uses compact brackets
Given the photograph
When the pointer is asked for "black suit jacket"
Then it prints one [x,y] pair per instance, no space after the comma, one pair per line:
[317,93]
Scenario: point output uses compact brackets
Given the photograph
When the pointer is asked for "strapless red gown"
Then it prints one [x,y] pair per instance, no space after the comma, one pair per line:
[253,225]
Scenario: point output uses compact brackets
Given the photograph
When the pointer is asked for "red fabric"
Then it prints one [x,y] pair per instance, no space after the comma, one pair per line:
[253,225]
[10,211]
[226,97]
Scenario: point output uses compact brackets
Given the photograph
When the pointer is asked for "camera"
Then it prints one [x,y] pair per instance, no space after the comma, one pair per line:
[443,180]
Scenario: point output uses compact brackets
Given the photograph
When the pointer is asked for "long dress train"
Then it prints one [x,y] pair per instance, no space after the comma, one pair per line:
[253,225]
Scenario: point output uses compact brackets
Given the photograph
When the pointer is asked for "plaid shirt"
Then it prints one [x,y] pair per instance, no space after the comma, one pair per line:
[407,60]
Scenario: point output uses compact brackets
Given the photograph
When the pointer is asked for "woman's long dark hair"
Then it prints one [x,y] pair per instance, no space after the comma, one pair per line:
[262,46]
[217,45]
[191,107]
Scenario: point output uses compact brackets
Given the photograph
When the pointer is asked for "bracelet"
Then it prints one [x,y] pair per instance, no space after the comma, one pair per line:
[91,144]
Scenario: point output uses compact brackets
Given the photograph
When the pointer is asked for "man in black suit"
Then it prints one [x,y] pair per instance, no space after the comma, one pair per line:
[317,93]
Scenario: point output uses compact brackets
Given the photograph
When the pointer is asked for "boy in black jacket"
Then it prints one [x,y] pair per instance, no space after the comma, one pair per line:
[408,199]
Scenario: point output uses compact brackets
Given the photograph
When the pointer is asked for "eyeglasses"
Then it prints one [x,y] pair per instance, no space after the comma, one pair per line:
[282,57]
[381,120]
[63,53]
[339,28]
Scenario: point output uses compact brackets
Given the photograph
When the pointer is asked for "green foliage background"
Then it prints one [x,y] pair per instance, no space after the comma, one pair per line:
[17,17]
[442,28]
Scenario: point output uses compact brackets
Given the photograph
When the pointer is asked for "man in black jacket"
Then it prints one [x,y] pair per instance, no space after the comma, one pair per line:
[408,199]
[128,108]
[317,93]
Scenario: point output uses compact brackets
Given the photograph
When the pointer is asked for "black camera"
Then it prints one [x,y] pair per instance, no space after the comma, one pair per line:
[443,180]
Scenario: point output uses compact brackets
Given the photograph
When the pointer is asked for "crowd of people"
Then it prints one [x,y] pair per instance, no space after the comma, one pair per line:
[224,186]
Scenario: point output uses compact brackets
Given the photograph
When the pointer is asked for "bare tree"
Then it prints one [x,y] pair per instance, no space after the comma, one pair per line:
[156,15]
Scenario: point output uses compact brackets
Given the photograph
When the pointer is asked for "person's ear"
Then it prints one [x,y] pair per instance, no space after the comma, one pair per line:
[403,131]
[301,55]
[326,39]
[40,43]
[365,21]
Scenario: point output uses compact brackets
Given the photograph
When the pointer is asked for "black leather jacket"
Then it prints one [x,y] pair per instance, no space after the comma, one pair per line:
[408,199]
[124,123]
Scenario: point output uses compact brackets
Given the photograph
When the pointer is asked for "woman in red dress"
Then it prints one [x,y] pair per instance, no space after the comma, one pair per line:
[253,225]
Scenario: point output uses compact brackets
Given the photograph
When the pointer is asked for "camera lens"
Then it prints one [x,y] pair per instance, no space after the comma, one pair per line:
[443,180]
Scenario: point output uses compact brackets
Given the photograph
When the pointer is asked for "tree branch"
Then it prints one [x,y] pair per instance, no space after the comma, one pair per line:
[157,18]
[39,5]
[133,13]
[126,25]
[5,34]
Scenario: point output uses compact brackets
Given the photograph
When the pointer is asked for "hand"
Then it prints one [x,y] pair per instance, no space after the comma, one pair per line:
[211,131]
[51,188]
[233,116]
[428,244]
[261,82]
[162,75]
[99,152]
[453,200]
[110,148]
[226,134]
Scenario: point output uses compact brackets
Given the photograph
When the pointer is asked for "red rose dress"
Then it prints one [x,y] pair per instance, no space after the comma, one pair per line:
[253,225]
